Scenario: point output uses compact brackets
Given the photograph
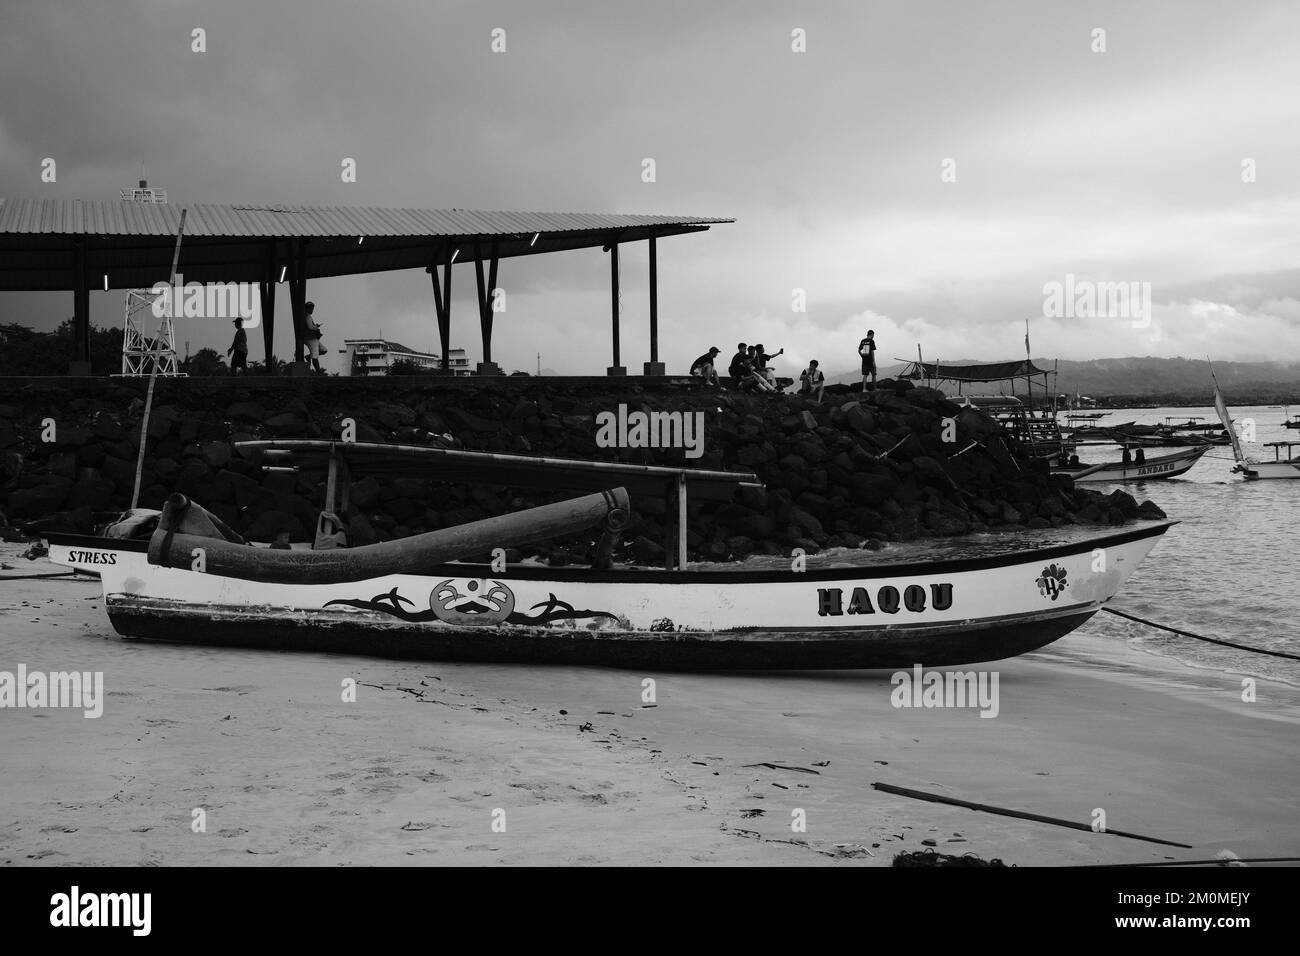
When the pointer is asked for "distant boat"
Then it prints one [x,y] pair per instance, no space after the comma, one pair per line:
[1280,467]
[1164,466]
[1085,416]
[1288,421]
[1172,424]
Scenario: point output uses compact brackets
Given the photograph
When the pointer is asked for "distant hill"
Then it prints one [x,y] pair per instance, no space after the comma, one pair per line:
[1159,380]
[1162,380]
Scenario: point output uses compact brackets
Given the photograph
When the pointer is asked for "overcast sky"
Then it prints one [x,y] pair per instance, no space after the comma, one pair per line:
[1123,165]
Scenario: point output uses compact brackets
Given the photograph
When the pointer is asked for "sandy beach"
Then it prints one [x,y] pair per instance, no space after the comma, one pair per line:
[421,765]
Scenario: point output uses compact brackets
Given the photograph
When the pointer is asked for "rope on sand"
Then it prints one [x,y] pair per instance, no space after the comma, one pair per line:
[1208,640]
[1217,861]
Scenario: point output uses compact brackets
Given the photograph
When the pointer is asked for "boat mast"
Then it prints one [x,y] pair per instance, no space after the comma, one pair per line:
[1221,407]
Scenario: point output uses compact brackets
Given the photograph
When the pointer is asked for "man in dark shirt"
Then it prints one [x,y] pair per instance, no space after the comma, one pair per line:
[238,350]
[703,368]
[758,374]
[867,349]
[761,358]
[739,369]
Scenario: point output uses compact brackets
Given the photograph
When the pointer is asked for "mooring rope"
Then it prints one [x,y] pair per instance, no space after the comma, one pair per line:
[1199,637]
[32,577]
[1217,861]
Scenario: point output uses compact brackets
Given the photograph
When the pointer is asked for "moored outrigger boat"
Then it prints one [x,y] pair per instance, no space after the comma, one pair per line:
[419,597]
[1251,469]
[1163,466]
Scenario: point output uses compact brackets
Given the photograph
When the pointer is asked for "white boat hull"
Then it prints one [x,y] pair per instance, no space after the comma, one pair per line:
[1254,471]
[938,613]
[1165,466]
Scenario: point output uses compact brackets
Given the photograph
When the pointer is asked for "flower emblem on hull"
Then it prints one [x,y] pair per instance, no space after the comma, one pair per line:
[1051,582]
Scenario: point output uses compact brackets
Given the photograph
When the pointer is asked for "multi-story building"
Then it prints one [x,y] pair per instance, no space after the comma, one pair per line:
[375,356]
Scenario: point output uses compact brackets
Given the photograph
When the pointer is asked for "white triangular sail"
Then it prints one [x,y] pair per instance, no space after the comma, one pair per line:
[1221,407]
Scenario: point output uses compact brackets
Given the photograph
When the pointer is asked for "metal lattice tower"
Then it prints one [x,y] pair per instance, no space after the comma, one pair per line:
[140,352]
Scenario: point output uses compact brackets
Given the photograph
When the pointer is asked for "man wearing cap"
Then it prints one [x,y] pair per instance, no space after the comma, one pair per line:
[703,368]
[238,350]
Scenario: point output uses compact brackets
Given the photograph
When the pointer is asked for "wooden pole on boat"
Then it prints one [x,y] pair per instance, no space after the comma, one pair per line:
[327,533]
[1018,814]
[153,369]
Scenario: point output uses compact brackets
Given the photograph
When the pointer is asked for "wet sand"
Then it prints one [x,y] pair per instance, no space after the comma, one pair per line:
[412,772]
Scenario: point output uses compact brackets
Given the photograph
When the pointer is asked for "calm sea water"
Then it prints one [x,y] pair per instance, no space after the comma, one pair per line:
[1229,570]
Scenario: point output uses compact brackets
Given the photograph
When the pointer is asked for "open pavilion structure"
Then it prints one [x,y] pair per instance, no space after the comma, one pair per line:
[1031,425]
[74,246]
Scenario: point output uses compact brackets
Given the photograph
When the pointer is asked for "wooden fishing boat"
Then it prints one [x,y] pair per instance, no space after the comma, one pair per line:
[1194,424]
[431,596]
[883,616]
[1249,468]
[1163,466]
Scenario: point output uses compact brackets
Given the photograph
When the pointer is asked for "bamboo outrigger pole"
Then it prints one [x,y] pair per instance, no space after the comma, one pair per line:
[153,369]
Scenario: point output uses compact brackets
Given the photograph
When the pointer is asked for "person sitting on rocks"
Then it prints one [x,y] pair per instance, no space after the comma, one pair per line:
[703,368]
[812,382]
[761,358]
[739,369]
[757,374]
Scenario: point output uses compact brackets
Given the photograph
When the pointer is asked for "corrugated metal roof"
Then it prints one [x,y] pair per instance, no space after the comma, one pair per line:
[125,245]
[243,220]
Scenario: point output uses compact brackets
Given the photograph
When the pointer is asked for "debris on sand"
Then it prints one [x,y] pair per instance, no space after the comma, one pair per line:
[932,858]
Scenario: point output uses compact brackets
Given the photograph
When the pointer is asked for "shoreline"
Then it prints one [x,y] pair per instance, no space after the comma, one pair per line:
[288,774]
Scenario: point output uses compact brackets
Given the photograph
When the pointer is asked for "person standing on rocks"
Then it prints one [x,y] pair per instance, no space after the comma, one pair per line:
[867,349]
[313,336]
[238,351]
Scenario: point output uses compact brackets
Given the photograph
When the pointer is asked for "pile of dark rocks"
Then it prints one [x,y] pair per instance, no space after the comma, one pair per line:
[894,464]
